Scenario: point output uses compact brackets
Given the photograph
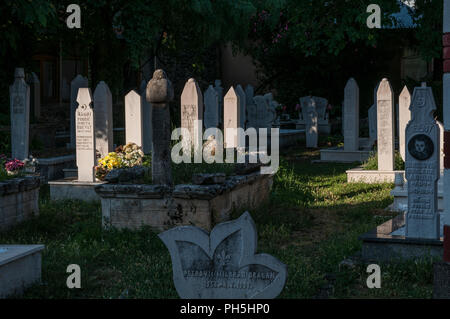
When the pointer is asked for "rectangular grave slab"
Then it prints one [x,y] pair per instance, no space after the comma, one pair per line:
[20,267]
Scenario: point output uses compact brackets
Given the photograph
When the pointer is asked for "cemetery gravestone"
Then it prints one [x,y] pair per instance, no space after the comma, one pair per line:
[78,82]
[404,116]
[441,149]
[385,125]
[373,123]
[146,121]
[160,93]
[103,119]
[211,101]
[85,138]
[321,108]
[19,93]
[231,118]
[312,126]
[242,106]
[133,118]
[422,167]
[351,115]
[192,111]
[224,263]
[35,88]
[219,89]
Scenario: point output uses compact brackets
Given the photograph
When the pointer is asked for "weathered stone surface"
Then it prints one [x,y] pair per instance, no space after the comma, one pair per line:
[85,136]
[351,115]
[19,200]
[224,263]
[103,119]
[404,116]
[146,120]
[20,267]
[19,94]
[247,168]
[208,179]
[422,167]
[160,94]
[385,126]
[127,175]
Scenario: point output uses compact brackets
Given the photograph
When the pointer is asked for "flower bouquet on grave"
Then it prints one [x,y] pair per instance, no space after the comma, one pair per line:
[128,155]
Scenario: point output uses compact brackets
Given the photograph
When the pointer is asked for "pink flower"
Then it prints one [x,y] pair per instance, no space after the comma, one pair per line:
[14,165]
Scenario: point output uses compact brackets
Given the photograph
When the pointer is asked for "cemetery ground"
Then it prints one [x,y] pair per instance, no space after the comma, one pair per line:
[311,223]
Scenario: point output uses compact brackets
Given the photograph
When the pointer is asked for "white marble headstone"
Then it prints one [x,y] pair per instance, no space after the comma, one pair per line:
[231,118]
[223,264]
[85,137]
[404,115]
[19,95]
[385,126]
[103,119]
[422,167]
[78,82]
[192,109]
[351,115]
[133,118]
[211,101]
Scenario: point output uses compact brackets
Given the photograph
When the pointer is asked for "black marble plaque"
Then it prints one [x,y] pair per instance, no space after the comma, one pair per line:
[421,147]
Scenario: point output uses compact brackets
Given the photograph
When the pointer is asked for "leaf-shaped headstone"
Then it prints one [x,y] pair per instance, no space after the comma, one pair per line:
[224,263]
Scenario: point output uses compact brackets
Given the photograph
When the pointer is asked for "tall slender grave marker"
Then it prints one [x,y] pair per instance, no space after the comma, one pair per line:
[192,111]
[404,115]
[231,118]
[422,167]
[146,120]
[85,136]
[103,119]
[159,94]
[19,94]
[385,124]
[133,118]
[351,116]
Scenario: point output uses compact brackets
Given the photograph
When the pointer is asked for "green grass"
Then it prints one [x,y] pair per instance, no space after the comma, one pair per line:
[372,162]
[311,223]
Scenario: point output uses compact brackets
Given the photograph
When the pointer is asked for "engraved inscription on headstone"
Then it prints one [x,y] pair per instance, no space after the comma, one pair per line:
[78,82]
[224,263]
[422,167]
[85,140]
[191,109]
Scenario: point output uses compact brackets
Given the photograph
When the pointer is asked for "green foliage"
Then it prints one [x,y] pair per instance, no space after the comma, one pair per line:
[372,162]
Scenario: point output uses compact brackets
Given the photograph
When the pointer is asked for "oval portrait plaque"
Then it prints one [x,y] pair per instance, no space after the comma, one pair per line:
[421,147]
